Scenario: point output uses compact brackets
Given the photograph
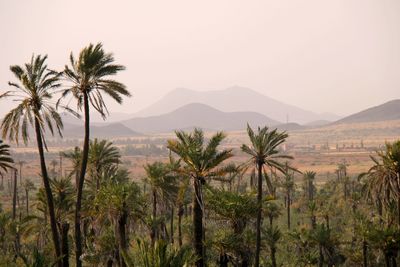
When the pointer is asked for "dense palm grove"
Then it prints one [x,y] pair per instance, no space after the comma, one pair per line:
[199,208]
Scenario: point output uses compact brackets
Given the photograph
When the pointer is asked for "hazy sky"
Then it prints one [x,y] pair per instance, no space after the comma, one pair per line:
[338,56]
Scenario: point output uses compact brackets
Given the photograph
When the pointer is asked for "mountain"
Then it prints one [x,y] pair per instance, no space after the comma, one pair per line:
[197,115]
[234,99]
[318,123]
[385,112]
[104,131]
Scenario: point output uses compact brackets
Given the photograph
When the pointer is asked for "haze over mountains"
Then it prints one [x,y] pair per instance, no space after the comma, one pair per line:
[198,115]
[234,99]
[243,105]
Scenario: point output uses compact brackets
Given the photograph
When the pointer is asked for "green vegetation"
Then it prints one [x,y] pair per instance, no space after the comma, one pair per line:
[197,207]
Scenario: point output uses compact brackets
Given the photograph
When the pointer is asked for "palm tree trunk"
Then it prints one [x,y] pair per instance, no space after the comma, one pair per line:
[49,195]
[14,202]
[172,225]
[123,244]
[154,235]
[327,222]
[20,174]
[27,201]
[394,263]
[180,214]
[288,210]
[85,155]
[64,243]
[321,257]
[365,251]
[398,211]
[258,223]
[14,214]
[198,223]
[273,256]
[223,260]
[380,210]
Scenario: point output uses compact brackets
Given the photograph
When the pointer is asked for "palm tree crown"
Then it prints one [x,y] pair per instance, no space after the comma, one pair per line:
[201,159]
[88,75]
[33,93]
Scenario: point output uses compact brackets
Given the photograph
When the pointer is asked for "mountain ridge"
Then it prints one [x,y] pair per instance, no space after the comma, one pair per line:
[197,115]
[387,111]
[233,99]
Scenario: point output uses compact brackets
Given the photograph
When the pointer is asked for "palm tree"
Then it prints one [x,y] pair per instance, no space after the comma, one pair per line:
[89,78]
[160,254]
[382,181]
[34,92]
[327,246]
[272,211]
[63,201]
[163,185]
[54,163]
[75,157]
[28,186]
[272,237]
[308,184]
[117,202]
[264,152]
[237,210]
[386,240]
[21,164]
[289,187]
[102,155]
[202,161]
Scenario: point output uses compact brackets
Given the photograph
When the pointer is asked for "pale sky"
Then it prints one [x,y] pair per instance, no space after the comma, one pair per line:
[336,56]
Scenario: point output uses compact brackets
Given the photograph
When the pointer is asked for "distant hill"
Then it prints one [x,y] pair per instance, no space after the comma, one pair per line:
[105,131]
[197,115]
[290,127]
[318,123]
[385,112]
[231,100]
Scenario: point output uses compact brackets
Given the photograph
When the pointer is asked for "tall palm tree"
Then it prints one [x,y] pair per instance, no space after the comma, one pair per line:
[88,76]
[264,151]
[202,161]
[34,91]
